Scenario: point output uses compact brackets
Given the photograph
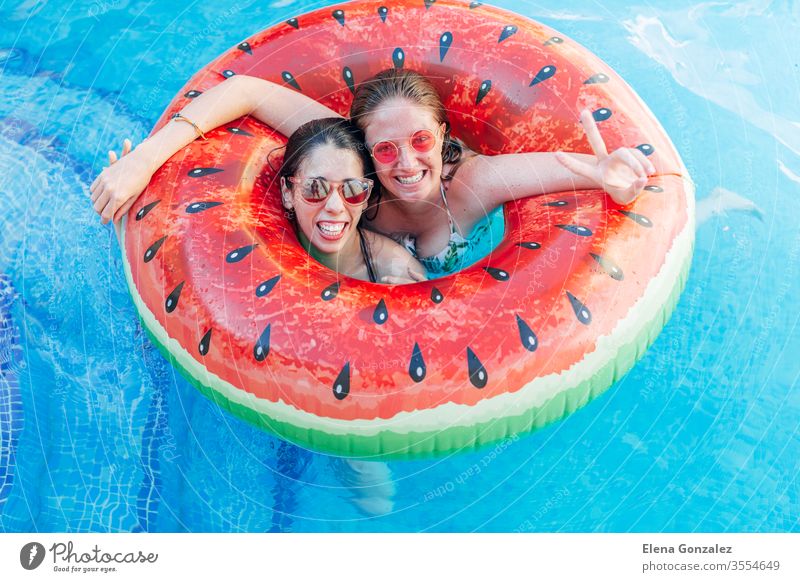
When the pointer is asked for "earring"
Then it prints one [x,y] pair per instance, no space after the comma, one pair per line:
[289,214]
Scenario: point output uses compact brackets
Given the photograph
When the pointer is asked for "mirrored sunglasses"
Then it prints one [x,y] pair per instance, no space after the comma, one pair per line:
[316,190]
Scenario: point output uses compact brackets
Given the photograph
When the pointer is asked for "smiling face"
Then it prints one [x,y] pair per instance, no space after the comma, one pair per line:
[413,175]
[329,226]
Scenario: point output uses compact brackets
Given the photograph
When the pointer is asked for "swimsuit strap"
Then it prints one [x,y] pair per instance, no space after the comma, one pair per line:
[367,257]
[449,214]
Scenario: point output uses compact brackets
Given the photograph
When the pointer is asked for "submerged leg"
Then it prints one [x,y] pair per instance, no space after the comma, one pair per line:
[370,483]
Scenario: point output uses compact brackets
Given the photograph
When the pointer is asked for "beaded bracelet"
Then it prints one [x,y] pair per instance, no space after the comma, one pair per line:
[181,117]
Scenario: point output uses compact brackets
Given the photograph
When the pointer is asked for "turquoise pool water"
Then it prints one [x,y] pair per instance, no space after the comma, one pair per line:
[98,433]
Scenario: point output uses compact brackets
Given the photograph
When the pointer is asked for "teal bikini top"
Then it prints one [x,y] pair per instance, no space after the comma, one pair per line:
[460,251]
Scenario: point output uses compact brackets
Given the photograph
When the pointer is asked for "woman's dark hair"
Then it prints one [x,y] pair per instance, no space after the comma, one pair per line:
[331,130]
[409,85]
[336,131]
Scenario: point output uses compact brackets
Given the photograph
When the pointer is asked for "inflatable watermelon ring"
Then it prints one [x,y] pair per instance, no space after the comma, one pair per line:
[569,300]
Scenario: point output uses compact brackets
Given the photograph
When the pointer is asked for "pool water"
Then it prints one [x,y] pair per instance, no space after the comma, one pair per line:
[99,433]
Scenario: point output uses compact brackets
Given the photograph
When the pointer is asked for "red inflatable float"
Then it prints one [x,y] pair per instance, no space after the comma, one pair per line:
[569,300]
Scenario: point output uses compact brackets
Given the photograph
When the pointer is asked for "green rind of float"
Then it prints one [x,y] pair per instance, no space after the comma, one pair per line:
[388,445]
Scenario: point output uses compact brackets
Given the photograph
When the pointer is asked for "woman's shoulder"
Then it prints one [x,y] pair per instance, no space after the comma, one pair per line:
[466,189]
[390,257]
[384,246]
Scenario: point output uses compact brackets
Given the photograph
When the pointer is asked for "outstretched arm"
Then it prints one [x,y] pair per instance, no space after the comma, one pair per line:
[118,186]
[494,180]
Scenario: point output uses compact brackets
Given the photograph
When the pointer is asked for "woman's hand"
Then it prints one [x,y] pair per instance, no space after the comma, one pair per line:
[622,174]
[412,276]
[118,186]
[410,272]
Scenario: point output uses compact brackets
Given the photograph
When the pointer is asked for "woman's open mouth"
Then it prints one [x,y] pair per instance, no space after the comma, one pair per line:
[411,180]
[331,230]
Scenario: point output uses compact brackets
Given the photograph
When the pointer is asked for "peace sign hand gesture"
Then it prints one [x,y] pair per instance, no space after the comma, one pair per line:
[622,173]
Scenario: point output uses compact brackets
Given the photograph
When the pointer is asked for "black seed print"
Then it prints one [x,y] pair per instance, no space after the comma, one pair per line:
[289,79]
[347,75]
[192,94]
[267,286]
[609,267]
[144,210]
[196,207]
[645,148]
[172,299]
[293,23]
[200,172]
[239,131]
[581,311]
[475,4]
[444,44]
[638,218]
[498,274]
[381,314]
[330,291]
[150,253]
[398,58]
[477,373]
[595,79]
[543,74]
[529,340]
[205,343]
[341,386]
[429,3]
[238,254]
[506,32]
[228,73]
[339,16]
[245,46]
[556,203]
[436,296]
[601,114]
[261,349]
[654,188]
[575,229]
[533,246]
[383,12]
[483,90]
[553,40]
[416,367]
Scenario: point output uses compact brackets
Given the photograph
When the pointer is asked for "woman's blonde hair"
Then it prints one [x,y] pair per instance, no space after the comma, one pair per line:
[409,85]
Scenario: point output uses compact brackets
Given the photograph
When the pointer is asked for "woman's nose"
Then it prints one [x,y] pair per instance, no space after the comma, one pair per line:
[405,156]
[334,202]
